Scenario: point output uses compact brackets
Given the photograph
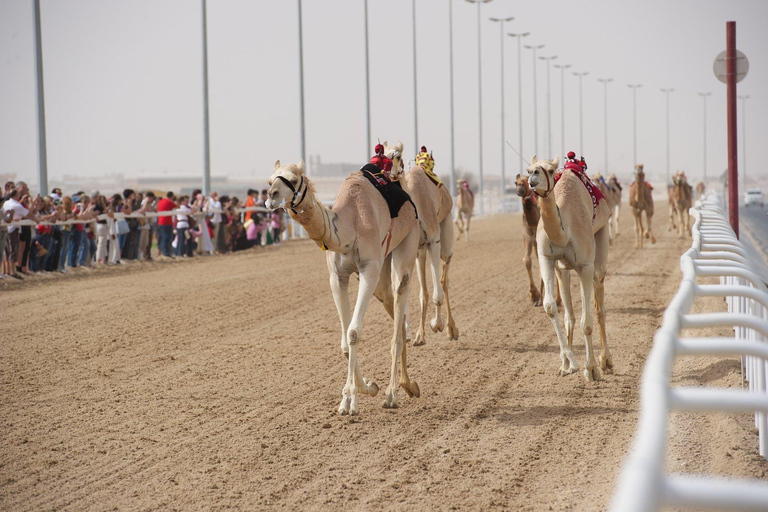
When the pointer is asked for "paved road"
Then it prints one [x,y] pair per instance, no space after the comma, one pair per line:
[755,220]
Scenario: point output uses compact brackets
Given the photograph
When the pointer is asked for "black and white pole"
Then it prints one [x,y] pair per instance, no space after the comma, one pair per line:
[634,88]
[562,68]
[605,82]
[581,75]
[42,154]
[520,91]
[666,93]
[535,100]
[704,97]
[549,108]
[503,110]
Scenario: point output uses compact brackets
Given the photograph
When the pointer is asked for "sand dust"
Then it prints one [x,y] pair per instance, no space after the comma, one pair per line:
[214,383]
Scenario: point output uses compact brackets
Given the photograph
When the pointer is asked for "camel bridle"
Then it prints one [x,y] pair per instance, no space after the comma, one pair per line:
[550,187]
[296,192]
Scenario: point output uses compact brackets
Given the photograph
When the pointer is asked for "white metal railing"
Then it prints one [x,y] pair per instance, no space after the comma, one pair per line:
[643,485]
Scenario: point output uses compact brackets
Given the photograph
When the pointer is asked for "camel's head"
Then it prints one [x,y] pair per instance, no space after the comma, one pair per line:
[639,174]
[679,178]
[287,186]
[395,153]
[541,175]
[521,182]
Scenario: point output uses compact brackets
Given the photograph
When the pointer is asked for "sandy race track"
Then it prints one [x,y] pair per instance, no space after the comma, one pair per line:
[213,384]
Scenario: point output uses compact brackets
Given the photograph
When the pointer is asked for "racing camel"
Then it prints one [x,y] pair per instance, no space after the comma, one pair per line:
[641,200]
[573,234]
[360,235]
[434,203]
[465,204]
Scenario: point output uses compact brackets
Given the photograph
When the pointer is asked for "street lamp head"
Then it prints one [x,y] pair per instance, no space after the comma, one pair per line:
[510,34]
[705,94]
[562,66]
[605,80]
[548,58]
[583,73]
[746,97]
[502,19]
[534,47]
[667,90]
[634,86]
[478,1]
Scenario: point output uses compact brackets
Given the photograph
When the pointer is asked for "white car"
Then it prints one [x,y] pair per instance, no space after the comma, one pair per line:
[753,196]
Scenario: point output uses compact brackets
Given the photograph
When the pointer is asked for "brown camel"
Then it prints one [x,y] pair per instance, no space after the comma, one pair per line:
[465,205]
[615,187]
[700,188]
[682,196]
[641,200]
[531,216]
[612,197]
[434,203]
[573,233]
[360,237]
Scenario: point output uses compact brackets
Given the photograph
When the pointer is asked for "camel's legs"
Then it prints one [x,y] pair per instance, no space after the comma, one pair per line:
[369,278]
[601,260]
[340,290]
[547,268]
[610,227]
[527,261]
[466,229]
[649,233]
[638,214]
[586,275]
[402,270]
[446,253]
[616,212]
[672,213]
[564,279]
[421,261]
[459,223]
[438,297]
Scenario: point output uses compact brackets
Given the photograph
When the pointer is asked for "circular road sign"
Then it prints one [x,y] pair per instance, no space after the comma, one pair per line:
[742,66]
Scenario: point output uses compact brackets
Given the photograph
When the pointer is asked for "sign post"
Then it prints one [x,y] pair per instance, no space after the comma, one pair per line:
[731,66]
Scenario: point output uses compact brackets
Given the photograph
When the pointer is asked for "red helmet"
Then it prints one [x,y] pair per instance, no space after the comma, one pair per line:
[379,149]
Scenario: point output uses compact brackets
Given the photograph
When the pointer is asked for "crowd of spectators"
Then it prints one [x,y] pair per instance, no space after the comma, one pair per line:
[82,230]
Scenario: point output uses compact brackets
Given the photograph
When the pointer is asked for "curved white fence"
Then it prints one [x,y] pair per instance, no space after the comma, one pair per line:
[643,484]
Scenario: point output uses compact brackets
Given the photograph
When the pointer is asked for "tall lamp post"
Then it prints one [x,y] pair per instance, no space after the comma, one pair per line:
[302,127]
[666,93]
[634,88]
[206,129]
[562,68]
[450,46]
[704,97]
[581,75]
[415,95]
[42,159]
[503,111]
[520,37]
[605,82]
[535,101]
[480,96]
[367,89]
[744,135]
[549,110]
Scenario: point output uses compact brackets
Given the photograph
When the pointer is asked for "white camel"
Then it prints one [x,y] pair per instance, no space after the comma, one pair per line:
[573,233]
[360,237]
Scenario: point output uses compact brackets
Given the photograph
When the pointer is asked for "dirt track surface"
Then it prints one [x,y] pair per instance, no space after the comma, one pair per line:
[214,383]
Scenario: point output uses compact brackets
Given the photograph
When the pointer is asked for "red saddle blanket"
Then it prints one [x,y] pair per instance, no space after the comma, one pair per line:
[594,192]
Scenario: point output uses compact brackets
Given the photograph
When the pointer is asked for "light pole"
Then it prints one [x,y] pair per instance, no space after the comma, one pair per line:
[581,116]
[503,112]
[480,96]
[634,88]
[666,93]
[303,148]
[562,68]
[704,96]
[744,135]
[42,158]
[535,101]
[415,95]
[367,90]
[549,110]
[450,46]
[605,82]
[206,130]
[520,37]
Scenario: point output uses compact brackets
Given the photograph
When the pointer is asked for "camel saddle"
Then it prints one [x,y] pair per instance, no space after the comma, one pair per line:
[426,162]
[594,192]
[392,192]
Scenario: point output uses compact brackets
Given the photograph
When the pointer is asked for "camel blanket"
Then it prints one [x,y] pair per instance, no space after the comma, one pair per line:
[594,192]
[392,192]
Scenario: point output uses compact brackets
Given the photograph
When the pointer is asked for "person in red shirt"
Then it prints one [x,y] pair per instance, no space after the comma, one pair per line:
[165,223]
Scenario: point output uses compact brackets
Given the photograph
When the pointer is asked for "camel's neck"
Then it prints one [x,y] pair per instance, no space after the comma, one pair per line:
[322,225]
[552,220]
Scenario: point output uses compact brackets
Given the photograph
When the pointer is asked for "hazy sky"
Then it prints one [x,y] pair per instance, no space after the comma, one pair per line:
[123,82]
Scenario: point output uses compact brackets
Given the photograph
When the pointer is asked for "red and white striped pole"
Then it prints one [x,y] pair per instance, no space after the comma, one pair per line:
[733,156]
